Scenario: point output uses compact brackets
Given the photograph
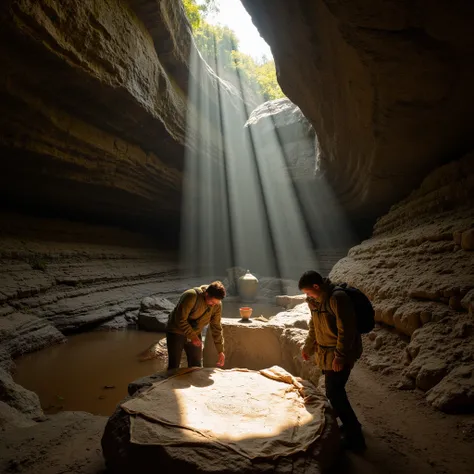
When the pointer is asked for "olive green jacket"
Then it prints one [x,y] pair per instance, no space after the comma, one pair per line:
[192,314]
[332,329]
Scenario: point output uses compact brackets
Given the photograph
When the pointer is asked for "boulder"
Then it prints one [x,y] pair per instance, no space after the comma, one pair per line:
[204,455]
[19,398]
[431,374]
[12,418]
[154,312]
[455,393]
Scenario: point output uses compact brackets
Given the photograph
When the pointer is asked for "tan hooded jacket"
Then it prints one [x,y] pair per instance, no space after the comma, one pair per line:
[332,329]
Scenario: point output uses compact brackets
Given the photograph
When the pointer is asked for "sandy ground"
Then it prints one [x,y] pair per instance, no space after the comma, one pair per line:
[67,443]
[404,435]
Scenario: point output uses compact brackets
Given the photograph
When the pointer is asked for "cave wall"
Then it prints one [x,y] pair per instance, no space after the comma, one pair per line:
[60,277]
[418,270]
[386,85]
[93,109]
[418,266]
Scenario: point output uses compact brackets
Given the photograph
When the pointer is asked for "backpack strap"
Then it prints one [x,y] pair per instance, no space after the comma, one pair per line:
[327,303]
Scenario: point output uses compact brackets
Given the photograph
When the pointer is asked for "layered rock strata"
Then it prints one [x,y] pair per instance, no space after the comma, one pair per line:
[94,109]
[418,270]
[59,277]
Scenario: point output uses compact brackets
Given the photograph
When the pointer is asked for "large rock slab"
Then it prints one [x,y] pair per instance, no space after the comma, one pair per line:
[380,129]
[123,456]
[253,345]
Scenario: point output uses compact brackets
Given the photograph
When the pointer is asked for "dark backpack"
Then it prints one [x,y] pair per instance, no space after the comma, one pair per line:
[365,314]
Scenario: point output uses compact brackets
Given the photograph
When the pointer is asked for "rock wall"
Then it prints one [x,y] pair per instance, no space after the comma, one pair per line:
[418,270]
[94,108]
[59,277]
[386,85]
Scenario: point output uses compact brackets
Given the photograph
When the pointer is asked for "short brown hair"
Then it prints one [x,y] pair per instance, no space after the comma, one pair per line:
[310,278]
[216,290]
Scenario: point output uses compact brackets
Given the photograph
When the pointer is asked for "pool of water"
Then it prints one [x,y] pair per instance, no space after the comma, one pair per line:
[90,372]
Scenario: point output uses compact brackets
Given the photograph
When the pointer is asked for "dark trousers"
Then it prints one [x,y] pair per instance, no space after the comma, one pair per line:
[336,393]
[176,343]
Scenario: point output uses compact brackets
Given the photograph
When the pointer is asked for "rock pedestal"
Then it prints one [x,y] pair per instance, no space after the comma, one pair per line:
[130,443]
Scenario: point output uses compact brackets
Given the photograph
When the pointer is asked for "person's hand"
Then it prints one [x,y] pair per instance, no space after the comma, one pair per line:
[337,364]
[196,342]
[220,359]
[304,355]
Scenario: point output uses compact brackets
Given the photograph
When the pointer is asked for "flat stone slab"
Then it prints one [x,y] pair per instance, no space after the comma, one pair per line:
[187,435]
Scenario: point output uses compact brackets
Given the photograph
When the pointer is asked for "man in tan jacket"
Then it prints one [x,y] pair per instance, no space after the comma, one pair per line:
[196,308]
[335,344]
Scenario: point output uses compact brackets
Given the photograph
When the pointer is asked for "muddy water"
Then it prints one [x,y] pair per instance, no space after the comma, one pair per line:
[91,372]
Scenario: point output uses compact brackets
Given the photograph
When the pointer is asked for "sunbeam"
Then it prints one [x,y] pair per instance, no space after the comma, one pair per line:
[245,202]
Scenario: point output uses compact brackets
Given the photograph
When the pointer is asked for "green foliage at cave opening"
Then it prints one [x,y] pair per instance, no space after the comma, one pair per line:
[219,46]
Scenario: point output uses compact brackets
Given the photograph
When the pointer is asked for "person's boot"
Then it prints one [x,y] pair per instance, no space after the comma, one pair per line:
[353,440]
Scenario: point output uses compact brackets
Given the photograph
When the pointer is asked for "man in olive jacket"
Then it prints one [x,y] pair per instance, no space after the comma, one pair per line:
[335,344]
[196,308]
